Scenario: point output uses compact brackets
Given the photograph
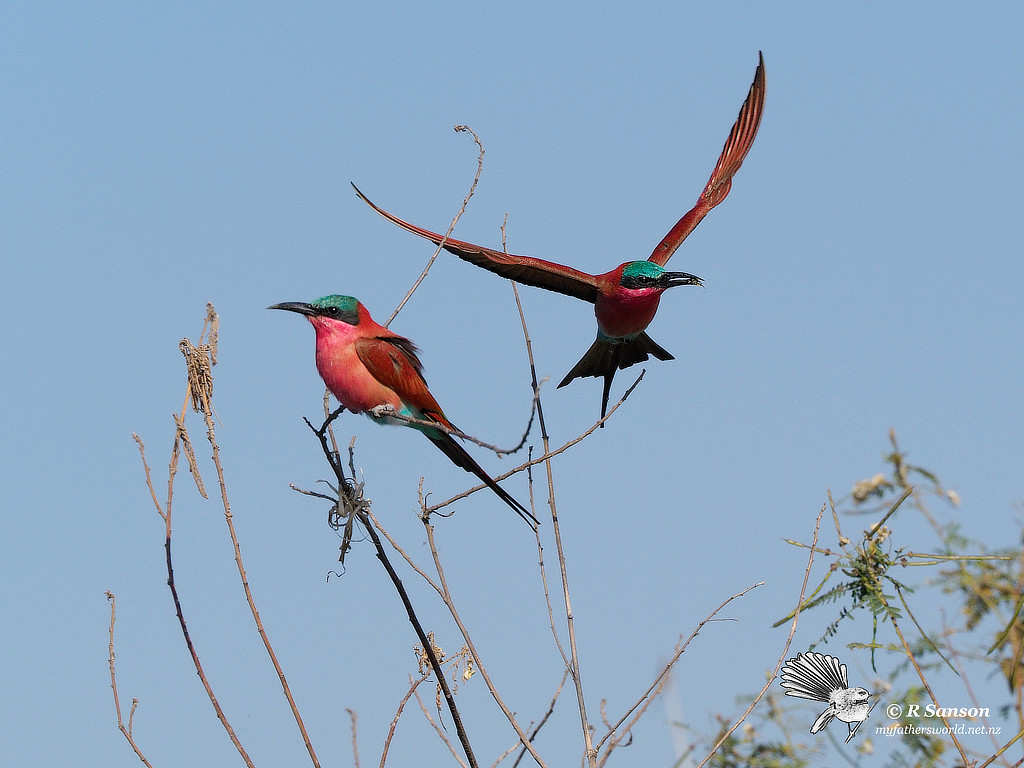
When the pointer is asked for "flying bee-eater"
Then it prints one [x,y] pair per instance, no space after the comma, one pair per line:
[626,298]
[372,370]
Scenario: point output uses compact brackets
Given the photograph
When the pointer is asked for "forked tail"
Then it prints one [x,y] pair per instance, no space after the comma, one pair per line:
[605,357]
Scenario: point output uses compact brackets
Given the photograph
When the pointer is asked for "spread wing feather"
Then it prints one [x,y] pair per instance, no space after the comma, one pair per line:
[523,269]
[736,148]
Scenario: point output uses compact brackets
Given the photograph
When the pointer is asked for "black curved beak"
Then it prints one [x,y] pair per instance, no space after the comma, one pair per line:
[295,306]
[672,279]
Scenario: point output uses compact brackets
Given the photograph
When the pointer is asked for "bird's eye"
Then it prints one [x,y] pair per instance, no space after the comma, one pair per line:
[332,310]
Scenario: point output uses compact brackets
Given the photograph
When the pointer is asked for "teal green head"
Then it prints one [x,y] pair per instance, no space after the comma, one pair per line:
[335,307]
[638,275]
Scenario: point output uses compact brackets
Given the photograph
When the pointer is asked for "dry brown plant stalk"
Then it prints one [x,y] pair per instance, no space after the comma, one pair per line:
[127,730]
[165,515]
[199,391]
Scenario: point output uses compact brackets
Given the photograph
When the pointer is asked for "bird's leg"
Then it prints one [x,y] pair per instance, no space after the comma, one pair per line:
[379,410]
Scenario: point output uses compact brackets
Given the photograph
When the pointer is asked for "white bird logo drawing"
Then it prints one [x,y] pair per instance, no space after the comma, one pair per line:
[818,677]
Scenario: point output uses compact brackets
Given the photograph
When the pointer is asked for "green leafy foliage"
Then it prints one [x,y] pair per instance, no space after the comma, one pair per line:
[980,633]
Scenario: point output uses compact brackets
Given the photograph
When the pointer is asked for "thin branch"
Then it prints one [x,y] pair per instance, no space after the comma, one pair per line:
[548,454]
[500,452]
[928,688]
[405,556]
[655,689]
[398,714]
[350,495]
[574,668]
[535,384]
[785,647]
[437,728]
[544,719]
[428,647]
[892,510]
[149,479]
[505,754]
[477,661]
[195,656]
[202,395]
[165,515]
[954,656]
[547,594]
[1005,747]
[126,730]
[451,227]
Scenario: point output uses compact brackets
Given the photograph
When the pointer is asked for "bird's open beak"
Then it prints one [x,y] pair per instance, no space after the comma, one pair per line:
[672,279]
[295,306]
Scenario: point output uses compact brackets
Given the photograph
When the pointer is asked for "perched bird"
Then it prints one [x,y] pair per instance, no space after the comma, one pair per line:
[626,298]
[818,677]
[375,371]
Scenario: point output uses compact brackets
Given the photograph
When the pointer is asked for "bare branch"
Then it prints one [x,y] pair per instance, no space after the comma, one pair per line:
[126,730]
[437,728]
[548,454]
[544,719]
[360,511]
[201,386]
[573,666]
[657,686]
[450,604]
[405,555]
[401,707]
[931,694]
[785,647]
[165,515]
[149,479]
[451,227]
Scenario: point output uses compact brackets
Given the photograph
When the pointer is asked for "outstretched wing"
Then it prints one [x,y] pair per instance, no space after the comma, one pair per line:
[736,147]
[522,269]
[393,362]
[813,676]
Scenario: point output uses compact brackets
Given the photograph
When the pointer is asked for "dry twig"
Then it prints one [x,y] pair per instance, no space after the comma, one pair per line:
[201,386]
[574,668]
[359,509]
[785,647]
[451,227]
[125,729]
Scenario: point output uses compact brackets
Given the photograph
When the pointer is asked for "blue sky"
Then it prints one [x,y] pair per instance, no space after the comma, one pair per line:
[864,274]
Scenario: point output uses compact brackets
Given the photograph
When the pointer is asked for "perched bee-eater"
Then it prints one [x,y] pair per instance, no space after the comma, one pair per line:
[375,371]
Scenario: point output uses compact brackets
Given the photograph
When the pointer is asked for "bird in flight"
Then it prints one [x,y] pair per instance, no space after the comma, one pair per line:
[818,677]
[626,298]
[375,371]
